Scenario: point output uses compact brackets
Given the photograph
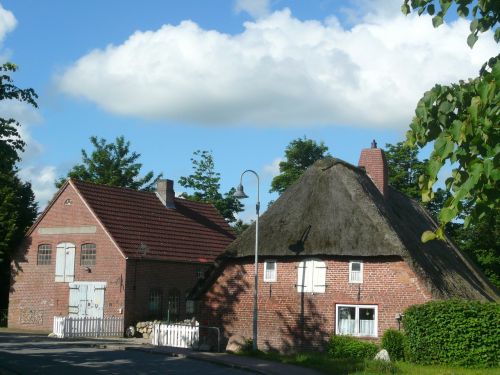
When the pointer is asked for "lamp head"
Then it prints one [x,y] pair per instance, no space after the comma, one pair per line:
[239,193]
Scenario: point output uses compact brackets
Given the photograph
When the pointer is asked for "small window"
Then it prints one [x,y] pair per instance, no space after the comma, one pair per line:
[88,255]
[311,276]
[155,297]
[44,256]
[200,273]
[356,272]
[190,307]
[68,202]
[270,271]
[173,304]
[357,320]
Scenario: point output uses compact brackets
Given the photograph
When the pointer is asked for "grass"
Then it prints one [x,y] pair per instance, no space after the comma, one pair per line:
[344,366]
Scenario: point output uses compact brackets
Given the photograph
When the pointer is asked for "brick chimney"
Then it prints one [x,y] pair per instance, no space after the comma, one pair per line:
[373,161]
[165,191]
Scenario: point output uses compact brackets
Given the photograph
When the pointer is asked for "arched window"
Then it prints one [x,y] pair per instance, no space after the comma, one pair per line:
[88,254]
[44,255]
[311,276]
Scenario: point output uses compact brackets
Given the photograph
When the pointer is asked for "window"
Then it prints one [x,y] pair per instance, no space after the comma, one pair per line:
[311,276]
[200,273]
[357,320]
[270,271]
[173,304]
[44,256]
[155,297]
[65,262]
[356,272]
[87,255]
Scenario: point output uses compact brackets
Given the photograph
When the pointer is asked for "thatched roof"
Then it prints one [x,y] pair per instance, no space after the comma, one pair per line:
[335,210]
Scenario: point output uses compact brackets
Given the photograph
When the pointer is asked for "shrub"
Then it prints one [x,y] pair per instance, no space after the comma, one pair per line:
[394,341]
[347,347]
[454,332]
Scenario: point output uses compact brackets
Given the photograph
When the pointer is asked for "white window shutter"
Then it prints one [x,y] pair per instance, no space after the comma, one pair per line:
[69,269]
[319,276]
[301,270]
[60,260]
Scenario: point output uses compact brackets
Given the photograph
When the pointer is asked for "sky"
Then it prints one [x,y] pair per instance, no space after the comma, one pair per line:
[240,78]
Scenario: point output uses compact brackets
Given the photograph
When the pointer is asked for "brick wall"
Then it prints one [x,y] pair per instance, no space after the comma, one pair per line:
[166,277]
[388,283]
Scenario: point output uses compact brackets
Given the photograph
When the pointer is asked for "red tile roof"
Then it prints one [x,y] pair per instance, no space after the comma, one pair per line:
[137,220]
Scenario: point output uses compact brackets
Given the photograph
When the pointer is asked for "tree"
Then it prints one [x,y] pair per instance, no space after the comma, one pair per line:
[485,13]
[205,182]
[404,171]
[18,209]
[404,168]
[462,120]
[111,164]
[300,154]
[481,240]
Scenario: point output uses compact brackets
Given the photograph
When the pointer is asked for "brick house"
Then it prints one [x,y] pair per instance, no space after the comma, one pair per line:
[339,253]
[107,251]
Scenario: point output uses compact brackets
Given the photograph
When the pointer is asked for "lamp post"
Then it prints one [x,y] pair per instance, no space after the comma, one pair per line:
[239,193]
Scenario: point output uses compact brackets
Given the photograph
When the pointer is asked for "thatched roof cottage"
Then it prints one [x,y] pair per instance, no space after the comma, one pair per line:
[339,252]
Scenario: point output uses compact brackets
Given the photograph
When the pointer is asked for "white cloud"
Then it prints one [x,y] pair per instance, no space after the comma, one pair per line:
[255,8]
[273,169]
[279,71]
[7,22]
[42,182]
[27,116]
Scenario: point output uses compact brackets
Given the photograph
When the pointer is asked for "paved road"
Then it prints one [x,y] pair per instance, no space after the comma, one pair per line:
[36,354]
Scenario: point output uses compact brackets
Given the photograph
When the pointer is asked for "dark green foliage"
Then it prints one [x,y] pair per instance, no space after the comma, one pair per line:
[404,168]
[394,341]
[111,164]
[347,347]
[300,154]
[18,209]
[453,332]
[481,241]
[205,182]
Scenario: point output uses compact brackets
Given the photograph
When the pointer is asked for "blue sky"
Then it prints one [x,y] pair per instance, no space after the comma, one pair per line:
[241,78]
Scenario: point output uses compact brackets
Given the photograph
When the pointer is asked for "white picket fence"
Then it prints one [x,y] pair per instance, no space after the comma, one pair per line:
[67,326]
[176,335]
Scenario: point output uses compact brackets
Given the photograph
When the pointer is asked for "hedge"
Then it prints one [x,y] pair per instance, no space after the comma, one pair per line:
[453,332]
[394,342]
[347,347]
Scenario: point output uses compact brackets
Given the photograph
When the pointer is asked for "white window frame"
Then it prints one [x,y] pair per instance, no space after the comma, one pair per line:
[274,276]
[311,276]
[352,278]
[356,330]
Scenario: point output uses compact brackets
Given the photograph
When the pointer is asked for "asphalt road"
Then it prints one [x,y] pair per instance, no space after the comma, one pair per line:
[36,354]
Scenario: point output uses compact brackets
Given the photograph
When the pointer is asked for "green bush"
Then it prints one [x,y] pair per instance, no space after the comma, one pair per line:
[347,347]
[453,332]
[394,341]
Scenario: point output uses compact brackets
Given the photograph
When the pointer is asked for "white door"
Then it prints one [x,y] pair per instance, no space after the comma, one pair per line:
[87,299]
[65,262]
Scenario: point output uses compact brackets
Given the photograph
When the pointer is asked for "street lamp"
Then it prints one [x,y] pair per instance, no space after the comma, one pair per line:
[240,194]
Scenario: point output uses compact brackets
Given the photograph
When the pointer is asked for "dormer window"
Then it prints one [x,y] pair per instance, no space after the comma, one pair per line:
[356,272]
